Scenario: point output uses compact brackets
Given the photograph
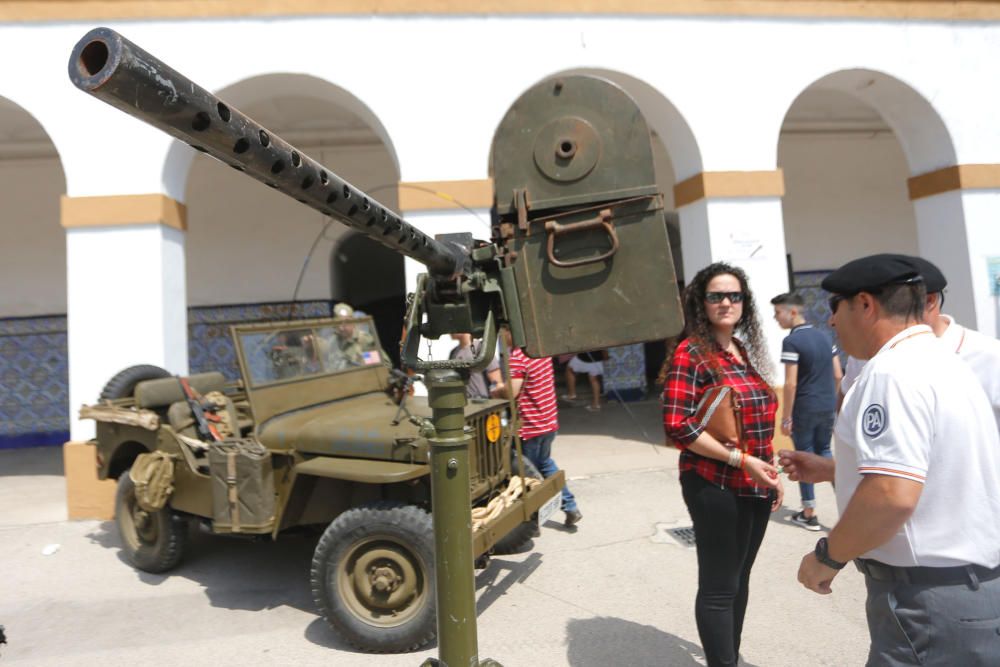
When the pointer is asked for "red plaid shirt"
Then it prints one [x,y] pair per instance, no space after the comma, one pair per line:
[689,376]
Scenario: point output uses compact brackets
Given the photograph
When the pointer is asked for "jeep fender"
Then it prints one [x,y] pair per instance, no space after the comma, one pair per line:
[365,471]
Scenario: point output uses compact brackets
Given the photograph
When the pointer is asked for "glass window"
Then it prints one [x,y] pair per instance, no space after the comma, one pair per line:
[349,345]
[273,356]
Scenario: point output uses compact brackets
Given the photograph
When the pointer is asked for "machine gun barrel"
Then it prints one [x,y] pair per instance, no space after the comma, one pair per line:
[115,70]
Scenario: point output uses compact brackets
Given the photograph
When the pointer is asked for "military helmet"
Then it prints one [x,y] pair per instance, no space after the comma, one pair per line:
[342,310]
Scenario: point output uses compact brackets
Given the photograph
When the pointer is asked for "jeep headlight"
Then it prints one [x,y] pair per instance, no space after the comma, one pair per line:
[494,427]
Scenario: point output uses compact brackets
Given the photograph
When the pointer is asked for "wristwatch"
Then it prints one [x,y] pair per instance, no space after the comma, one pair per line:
[823,555]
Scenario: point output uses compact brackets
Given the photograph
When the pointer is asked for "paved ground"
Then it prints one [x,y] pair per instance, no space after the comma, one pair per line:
[619,591]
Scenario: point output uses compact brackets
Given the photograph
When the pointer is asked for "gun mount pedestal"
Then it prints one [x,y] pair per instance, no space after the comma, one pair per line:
[454,576]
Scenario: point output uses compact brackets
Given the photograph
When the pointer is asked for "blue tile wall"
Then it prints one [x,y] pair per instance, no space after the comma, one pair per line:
[34,366]
[625,373]
[817,308]
[34,386]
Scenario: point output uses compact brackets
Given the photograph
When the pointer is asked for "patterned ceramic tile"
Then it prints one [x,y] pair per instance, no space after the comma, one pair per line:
[625,373]
[34,393]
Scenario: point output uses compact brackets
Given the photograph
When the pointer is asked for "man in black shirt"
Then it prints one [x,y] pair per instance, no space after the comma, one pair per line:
[809,405]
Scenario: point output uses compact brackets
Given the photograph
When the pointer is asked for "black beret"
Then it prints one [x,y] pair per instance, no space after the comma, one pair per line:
[933,278]
[868,274]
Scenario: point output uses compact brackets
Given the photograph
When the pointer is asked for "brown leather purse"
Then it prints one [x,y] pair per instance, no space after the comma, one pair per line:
[720,414]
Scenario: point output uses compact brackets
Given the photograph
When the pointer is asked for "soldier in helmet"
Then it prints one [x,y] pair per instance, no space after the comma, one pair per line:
[352,344]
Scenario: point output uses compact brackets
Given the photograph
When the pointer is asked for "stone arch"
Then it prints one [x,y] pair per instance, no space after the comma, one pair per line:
[34,380]
[849,142]
[252,252]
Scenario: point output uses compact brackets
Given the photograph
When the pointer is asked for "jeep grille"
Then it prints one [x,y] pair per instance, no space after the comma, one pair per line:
[487,463]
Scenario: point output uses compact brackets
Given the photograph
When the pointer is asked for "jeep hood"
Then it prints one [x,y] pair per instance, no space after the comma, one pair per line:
[359,427]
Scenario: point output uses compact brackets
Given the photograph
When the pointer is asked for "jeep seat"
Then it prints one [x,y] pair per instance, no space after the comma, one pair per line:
[167,395]
[181,419]
[162,393]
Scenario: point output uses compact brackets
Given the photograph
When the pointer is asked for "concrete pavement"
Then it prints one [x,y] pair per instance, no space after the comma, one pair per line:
[618,591]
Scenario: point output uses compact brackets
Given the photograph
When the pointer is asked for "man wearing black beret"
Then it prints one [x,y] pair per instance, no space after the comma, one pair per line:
[917,467]
[980,352]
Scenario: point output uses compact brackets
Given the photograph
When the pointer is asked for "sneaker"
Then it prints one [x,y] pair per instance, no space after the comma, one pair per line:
[573,517]
[567,398]
[809,523]
[593,408]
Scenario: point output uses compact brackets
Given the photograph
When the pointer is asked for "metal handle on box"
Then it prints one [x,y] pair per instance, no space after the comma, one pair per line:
[603,220]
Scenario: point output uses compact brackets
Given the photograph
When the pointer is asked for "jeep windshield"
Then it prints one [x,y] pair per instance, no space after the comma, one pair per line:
[279,355]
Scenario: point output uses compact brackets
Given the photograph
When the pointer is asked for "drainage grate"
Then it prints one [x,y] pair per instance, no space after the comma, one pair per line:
[683,535]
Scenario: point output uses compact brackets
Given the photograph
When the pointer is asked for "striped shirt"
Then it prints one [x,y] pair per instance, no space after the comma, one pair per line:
[536,402]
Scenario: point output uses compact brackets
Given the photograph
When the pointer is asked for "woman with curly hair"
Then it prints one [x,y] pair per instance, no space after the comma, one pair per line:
[729,488]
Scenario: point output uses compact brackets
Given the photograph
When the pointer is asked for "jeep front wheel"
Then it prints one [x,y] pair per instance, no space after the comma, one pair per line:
[373,577]
[153,541]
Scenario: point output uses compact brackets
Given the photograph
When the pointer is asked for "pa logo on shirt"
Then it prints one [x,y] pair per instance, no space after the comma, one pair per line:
[874,420]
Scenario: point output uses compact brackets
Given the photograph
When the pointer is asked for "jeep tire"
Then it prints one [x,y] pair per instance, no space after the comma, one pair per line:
[373,577]
[152,541]
[123,383]
[516,540]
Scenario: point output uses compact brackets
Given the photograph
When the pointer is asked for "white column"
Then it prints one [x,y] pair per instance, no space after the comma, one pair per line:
[747,232]
[959,231]
[433,223]
[942,238]
[126,305]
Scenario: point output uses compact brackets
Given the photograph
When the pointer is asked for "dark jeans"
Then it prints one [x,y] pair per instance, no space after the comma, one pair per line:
[539,451]
[728,530]
[811,432]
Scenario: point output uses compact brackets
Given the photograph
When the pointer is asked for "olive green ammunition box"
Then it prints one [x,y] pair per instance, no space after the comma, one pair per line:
[578,204]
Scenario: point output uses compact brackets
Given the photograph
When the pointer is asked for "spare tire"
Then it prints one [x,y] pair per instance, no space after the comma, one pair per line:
[123,383]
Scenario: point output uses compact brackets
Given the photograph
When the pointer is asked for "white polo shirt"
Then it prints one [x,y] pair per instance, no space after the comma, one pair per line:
[918,412]
[981,353]
[852,369]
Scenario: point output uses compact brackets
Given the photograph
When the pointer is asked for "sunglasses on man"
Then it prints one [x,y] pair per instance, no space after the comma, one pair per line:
[835,301]
[718,297]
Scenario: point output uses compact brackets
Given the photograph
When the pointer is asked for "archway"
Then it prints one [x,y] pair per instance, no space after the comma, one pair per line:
[848,144]
[34,380]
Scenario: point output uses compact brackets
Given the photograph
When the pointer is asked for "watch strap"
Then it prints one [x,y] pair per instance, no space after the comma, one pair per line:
[823,555]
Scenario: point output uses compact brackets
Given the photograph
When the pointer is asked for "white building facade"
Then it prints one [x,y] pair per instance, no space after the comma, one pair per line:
[787,142]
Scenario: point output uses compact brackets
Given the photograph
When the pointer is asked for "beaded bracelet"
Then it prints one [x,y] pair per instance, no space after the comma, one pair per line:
[735,458]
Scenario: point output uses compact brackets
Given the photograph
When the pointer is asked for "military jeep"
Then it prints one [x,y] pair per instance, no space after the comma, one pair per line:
[312,435]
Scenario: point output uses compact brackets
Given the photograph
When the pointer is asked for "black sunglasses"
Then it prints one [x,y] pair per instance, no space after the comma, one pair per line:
[835,301]
[717,297]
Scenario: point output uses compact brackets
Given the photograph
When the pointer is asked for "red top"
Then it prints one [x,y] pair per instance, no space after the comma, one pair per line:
[536,402]
[689,376]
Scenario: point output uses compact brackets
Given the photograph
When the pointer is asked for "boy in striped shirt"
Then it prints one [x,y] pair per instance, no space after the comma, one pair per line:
[533,385]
